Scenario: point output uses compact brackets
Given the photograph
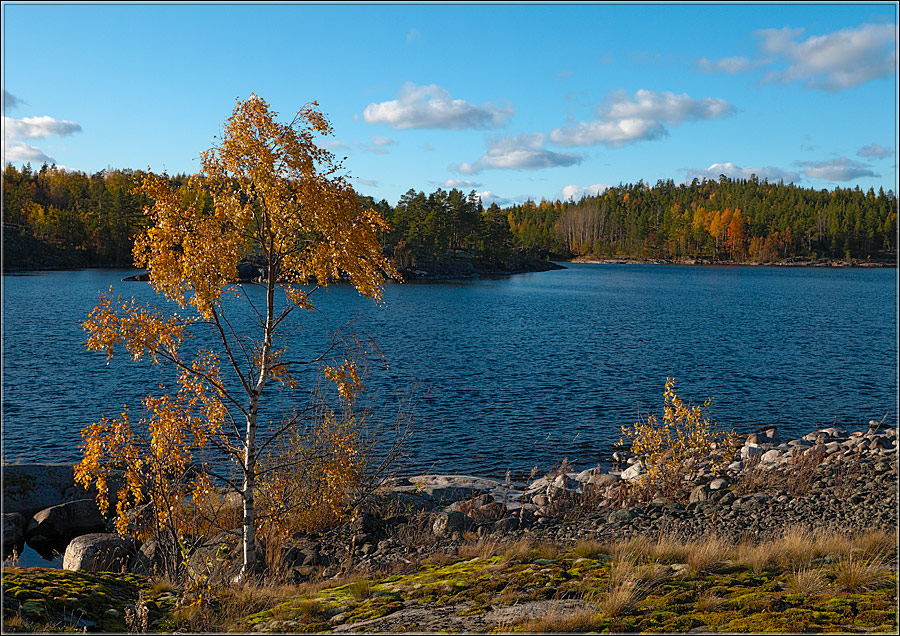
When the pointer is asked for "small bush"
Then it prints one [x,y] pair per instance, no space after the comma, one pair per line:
[676,447]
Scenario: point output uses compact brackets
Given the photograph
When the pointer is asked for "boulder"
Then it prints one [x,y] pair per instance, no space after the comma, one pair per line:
[64,521]
[159,555]
[632,472]
[749,451]
[700,493]
[13,532]
[28,488]
[770,456]
[718,484]
[488,513]
[448,523]
[99,552]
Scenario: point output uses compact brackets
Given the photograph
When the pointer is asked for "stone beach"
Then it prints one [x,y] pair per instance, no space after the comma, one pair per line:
[828,479]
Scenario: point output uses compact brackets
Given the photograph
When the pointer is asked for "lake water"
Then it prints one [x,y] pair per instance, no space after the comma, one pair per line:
[516,372]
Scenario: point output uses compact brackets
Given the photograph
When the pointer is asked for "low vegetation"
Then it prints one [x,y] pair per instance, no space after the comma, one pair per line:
[805,581]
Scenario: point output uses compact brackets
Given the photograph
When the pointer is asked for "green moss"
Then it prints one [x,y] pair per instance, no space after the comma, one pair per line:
[60,597]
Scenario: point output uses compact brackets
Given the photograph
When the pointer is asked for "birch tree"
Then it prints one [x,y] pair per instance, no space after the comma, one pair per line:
[265,189]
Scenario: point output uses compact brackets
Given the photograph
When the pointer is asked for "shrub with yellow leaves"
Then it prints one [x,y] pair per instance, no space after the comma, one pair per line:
[672,449]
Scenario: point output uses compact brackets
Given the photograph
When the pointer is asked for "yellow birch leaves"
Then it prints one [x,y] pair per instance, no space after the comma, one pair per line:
[670,450]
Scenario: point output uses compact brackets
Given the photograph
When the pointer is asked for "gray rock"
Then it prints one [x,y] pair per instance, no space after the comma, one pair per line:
[620,516]
[632,472]
[28,488]
[65,521]
[700,493]
[448,523]
[13,531]
[161,554]
[770,456]
[749,451]
[99,552]
[718,484]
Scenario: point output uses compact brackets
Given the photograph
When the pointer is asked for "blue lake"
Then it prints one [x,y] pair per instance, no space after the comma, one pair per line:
[516,372]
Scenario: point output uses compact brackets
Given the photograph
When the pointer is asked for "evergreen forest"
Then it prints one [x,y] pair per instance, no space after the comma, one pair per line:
[60,218]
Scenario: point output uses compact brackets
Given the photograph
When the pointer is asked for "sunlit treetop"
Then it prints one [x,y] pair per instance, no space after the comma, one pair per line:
[265,191]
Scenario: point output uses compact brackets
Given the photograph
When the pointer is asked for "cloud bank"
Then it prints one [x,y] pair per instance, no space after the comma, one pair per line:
[432,107]
[832,62]
[841,169]
[623,120]
[733,171]
[518,152]
[577,193]
[39,127]
[15,130]
[877,151]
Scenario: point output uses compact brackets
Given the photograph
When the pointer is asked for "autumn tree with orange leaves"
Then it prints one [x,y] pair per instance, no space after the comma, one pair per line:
[264,189]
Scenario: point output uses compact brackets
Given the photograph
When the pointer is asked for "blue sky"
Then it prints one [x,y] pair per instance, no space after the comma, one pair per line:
[514,101]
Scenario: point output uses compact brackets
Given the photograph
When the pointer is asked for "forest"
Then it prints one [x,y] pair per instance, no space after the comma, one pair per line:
[54,217]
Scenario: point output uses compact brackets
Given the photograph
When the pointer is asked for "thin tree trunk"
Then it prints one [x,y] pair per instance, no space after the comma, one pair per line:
[249,490]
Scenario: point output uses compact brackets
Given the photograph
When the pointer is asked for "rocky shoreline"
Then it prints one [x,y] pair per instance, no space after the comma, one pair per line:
[828,479]
[797,261]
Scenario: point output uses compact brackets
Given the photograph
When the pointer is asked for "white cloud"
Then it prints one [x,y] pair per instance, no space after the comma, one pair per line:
[729,65]
[413,35]
[367,182]
[835,61]
[666,107]
[19,152]
[733,171]
[577,192]
[10,101]
[622,120]
[841,169]
[460,183]
[487,198]
[334,144]
[382,141]
[15,130]
[521,152]
[433,107]
[875,150]
[38,127]
[610,133]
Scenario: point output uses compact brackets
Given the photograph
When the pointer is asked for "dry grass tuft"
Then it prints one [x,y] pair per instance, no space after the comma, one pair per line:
[667,549]
[876,544]
[757,557]
[807,581]
[577,622]
[547,550]
[588,549]
[482,549]
[361,590]
[518,551]
[855,574]
[707,554]
[708,602]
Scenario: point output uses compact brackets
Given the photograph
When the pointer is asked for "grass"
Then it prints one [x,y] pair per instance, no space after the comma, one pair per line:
[857,574]
[804,581]
[579,621]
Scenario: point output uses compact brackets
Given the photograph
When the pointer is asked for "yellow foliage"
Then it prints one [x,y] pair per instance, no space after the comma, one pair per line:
[309,480]
[670,450]
[264,191]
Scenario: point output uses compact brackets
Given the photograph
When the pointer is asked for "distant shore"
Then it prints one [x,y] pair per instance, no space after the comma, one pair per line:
[798,261]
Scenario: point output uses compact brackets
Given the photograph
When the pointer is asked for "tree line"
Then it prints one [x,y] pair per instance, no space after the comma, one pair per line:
[730,220]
